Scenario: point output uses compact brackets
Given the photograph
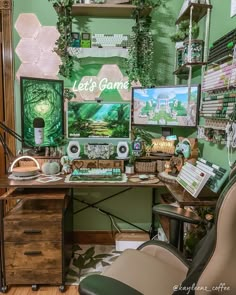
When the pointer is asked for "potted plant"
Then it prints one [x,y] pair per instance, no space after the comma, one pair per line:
[196,232]
[181,37]
[182,32]
[129,168]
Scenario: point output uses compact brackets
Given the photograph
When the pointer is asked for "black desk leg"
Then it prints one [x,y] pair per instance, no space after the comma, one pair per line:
[1,247]
[153,230]
[3,286]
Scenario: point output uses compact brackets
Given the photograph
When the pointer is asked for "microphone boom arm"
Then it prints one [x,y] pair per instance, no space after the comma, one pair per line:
[6,148]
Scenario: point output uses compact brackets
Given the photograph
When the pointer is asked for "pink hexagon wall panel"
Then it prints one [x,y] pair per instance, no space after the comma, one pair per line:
[27,25]
[28,50]
[110,72]
[49,63]
[29,70]
[36,48]
[47,37]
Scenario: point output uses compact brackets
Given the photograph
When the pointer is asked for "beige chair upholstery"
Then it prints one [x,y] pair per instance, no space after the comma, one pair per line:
[156,268]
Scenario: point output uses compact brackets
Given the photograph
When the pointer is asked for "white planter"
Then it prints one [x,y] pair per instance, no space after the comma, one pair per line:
[129,169]
[179,44]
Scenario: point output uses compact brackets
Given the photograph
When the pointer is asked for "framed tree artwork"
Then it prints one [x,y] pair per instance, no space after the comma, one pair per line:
[42,99]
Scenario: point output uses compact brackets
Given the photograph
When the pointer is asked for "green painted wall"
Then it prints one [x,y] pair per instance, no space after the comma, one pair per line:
[133,205]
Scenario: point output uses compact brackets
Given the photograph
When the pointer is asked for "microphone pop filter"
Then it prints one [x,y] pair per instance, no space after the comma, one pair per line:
[38,123]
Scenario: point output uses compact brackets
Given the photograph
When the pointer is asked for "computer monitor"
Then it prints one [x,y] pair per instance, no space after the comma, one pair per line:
[98,120]
[165,105]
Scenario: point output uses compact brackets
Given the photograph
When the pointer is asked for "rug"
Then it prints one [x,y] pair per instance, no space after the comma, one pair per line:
[90,259]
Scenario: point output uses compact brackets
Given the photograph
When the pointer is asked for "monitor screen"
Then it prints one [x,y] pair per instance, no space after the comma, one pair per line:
[98,120]
[165,106]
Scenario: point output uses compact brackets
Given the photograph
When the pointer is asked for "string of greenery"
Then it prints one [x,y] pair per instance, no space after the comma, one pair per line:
[64,27]
[140,60]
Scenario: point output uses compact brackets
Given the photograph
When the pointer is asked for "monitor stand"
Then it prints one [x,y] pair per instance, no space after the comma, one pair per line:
[166,131]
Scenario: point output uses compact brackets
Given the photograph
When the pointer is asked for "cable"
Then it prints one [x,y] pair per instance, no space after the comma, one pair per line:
[111,219]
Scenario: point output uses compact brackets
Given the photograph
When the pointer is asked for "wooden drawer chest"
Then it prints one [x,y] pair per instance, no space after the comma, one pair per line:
[35,247]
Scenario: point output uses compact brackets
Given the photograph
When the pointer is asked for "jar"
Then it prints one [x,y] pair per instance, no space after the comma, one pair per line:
[179,57]
[196,51]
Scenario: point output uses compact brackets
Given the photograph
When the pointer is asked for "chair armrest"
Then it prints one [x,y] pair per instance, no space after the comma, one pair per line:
[102,285]
[176,213]
[155,248]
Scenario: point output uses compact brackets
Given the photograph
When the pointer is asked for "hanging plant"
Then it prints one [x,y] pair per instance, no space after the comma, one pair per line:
[68,94]
[183,31]
[64,27]
[140,59]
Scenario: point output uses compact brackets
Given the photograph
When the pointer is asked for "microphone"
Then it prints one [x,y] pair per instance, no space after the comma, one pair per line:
[38,124]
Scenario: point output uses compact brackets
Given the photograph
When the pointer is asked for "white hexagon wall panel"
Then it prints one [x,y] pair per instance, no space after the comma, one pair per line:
[28,50]
[35,48]
[27,25]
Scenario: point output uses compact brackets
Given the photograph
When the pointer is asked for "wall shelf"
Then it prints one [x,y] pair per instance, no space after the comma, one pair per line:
[98,52]
[199,11]
[106,10]
[184,70]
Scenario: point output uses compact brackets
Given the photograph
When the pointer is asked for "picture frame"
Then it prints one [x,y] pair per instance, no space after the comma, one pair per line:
[42,98]
[233,8]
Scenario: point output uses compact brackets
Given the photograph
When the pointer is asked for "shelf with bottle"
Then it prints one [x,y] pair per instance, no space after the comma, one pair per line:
[184,69]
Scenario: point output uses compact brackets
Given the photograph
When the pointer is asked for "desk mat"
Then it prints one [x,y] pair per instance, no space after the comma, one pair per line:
[124,179]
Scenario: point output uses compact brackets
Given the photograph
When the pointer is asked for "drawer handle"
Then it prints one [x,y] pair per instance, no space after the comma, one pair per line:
[32,231]
[32,253]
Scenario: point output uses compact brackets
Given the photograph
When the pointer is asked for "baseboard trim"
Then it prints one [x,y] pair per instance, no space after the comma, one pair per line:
[96,237]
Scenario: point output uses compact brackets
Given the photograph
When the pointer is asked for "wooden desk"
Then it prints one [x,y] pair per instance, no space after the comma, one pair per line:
[205,198]
[180,195]
[8,183]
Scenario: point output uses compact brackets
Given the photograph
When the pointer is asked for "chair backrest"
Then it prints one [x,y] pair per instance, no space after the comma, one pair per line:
[213,267]
[219,272]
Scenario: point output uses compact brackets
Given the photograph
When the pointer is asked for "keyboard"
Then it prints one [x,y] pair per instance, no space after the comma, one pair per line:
[192,179]
[218,175]
[111,40]
[96,174]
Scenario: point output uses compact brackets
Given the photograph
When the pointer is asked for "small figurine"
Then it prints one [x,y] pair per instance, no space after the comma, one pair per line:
[66,165]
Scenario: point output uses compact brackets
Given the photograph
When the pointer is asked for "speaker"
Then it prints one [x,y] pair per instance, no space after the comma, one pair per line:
[73,150]
[122,150]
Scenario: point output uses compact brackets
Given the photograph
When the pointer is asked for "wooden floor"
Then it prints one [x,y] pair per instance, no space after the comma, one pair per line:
[70,290]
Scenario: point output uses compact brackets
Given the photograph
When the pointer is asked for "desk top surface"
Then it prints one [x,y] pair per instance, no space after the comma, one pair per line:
[206,198]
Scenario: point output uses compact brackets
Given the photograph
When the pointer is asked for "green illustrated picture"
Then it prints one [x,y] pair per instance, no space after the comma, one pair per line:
[42,98]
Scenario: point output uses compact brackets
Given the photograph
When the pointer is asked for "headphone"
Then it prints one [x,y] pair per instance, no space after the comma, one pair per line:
[183,147]
[185,140]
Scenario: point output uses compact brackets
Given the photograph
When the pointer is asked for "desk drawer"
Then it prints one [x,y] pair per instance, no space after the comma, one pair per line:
[34,255]
[34,276]
[26,231]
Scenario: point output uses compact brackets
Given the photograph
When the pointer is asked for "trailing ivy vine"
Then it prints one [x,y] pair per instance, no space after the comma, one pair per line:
[140,59]
[64,27]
